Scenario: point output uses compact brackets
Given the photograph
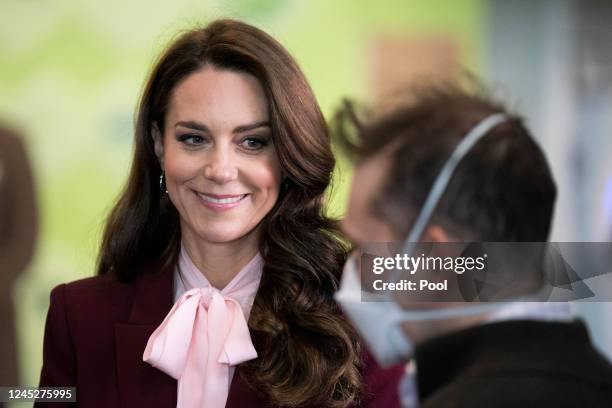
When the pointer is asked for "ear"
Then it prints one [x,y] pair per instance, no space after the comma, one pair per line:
[158,143]
[435,233]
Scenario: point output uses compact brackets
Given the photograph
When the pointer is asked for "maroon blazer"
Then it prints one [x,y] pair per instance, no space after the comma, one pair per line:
[97,329]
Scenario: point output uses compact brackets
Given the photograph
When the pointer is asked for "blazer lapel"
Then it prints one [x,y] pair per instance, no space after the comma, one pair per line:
[241,395]
[140,384]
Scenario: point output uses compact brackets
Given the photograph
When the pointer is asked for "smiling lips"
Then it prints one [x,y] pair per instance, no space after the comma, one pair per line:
[217,202]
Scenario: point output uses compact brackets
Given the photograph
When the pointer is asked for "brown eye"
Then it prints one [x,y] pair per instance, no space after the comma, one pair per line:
[254,143]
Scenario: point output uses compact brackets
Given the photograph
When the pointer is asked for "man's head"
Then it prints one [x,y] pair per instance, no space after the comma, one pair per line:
[502,190]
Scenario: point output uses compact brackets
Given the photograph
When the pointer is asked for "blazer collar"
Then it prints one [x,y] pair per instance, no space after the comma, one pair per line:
[153,298]
[140,384]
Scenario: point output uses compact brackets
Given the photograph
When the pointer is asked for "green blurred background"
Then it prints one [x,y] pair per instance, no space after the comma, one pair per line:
[70,77]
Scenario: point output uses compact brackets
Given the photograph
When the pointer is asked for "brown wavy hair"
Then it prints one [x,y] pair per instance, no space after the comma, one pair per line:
[308,353]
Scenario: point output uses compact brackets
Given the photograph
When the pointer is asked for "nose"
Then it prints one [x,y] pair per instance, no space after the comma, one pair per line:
[220,166]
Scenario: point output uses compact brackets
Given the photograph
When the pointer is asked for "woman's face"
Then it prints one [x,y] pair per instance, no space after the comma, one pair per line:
[221,168]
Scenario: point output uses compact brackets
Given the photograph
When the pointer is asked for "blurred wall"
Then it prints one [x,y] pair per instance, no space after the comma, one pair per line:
[553,58]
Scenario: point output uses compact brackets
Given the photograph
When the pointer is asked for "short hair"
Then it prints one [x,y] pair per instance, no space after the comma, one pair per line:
[502,190]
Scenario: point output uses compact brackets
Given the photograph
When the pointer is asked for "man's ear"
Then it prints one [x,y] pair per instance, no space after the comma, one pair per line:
[435,233]
[158,143]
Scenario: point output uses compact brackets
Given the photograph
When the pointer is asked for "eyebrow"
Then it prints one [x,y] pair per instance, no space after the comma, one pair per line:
[239,129]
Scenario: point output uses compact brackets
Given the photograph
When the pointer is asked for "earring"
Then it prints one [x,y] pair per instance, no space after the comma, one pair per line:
[161,183]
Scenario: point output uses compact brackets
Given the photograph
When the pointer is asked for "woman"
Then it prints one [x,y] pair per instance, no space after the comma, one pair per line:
[222,216]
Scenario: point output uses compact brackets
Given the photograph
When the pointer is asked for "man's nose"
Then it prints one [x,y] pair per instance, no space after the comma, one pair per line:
[221,166]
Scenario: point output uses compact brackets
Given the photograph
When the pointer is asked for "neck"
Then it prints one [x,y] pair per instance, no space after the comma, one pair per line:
[220,262]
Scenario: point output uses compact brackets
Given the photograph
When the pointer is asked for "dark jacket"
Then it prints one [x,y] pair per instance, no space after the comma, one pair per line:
[514,364]
[96,332]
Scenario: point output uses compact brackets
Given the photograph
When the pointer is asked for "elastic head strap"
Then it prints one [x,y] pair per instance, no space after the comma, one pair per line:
[439,186]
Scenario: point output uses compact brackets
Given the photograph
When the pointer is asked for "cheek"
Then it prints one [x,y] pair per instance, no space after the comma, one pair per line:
[178,166]
[365,226]
[266,177]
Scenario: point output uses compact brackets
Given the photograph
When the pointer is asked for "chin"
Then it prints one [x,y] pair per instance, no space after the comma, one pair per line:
[220,237]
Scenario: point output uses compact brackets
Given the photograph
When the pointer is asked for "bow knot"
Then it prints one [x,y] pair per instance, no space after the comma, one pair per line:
[206,294]
[204,334]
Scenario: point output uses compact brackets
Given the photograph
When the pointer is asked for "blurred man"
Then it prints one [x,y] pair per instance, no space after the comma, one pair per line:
[18,227]
[454,166]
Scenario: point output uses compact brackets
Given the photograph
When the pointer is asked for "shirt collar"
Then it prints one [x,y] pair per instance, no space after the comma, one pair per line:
[241,288]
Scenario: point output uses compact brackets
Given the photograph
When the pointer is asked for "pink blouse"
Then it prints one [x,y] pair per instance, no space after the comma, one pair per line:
[205,334]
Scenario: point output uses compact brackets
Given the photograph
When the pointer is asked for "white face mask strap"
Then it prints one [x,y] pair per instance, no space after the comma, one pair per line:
[441,182]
